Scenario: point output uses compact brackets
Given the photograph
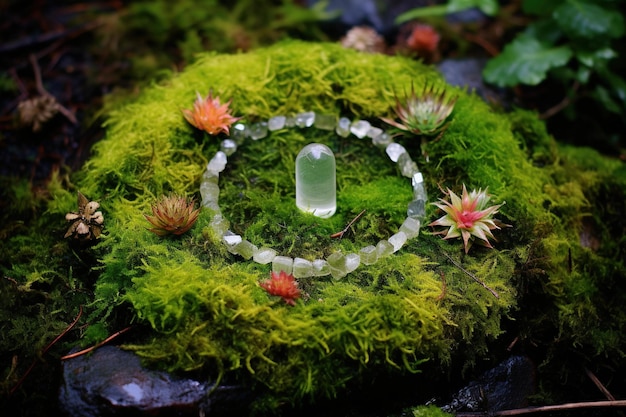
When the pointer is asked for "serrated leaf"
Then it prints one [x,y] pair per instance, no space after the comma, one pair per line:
[580,19]
[525,61]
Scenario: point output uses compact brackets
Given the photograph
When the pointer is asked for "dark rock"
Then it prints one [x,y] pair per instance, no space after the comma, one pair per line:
[113,382]
[505,387]
[468,73]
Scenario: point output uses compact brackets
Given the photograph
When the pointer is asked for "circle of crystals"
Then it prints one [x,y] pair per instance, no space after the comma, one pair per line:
[338,265]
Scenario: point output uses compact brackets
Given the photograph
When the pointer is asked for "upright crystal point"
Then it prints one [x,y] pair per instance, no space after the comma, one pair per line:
[316,180]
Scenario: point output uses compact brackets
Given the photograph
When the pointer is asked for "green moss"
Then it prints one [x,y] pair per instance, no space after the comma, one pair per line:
[429,302]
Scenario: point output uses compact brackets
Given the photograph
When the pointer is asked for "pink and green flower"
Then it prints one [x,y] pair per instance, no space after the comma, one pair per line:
[468,217]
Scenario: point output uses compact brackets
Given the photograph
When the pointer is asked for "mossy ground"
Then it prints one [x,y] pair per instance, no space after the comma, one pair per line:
[204,307]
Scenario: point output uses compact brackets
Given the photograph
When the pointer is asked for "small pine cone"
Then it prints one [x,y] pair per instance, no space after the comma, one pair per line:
[364,39]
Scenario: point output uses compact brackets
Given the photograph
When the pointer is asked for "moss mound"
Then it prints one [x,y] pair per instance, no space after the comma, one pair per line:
[428,302]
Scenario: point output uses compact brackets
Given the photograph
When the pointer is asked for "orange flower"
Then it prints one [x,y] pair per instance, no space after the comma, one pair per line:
[209,115]
[283,285]
[172,215]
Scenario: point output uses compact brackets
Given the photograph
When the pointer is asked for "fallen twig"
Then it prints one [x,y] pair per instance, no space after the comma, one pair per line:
[474,277]
[97,345]
[600,385]
[547,408]
[340,234]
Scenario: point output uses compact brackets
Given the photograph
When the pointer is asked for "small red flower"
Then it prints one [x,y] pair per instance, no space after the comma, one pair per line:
[284,285]
[423,39]
[209,115]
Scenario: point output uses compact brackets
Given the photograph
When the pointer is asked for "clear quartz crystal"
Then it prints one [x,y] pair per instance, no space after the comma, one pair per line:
[282,263]
[360,128]
[384,249]
[217,164]
[219,224]
[258,131]
[353,261]
[394,150]
[228,146]
[407,166]
[245,249]
[316,180]
[238,132]
[374,132]
[382,141]
[210,192]
[305,119]
[343,127]
[397,241]
[231,239]
[276,123]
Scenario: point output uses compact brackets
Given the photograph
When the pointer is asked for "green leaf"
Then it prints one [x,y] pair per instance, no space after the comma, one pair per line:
[595,57]
[489,7]
[580,19]
[525,61]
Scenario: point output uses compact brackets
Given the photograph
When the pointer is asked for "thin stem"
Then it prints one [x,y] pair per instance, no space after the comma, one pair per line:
[97,345]
[340,234]
[474,277]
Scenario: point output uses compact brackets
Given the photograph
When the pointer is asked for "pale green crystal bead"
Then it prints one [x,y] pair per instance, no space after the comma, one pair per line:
[407,166]
[276,123]
[302,268]
[374,132]
[210,192]
[320,268]
[264,256]
[384,249]
[228,146]
[394,150]
[231,239]
[282,263]
[219,224]
[417,209]
[238,133]
[325,121]
[369,255]
[217,164]
[352,262]
[245,249]
[397,240]
[258,131]
[383,140]
[337,263]
[343,127]
[316,180]
[305,119]
[411,227]
[360,128]
[290,121]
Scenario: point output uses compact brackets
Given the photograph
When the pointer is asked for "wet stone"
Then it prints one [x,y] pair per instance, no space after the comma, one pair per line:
[111,381]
